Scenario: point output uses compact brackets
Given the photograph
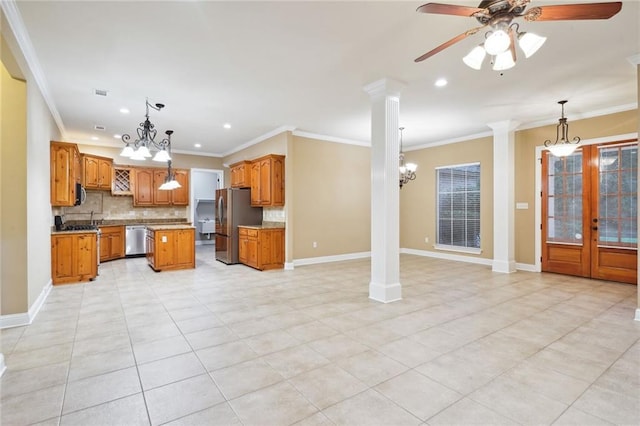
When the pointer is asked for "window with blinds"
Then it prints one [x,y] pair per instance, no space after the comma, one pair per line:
[458,199]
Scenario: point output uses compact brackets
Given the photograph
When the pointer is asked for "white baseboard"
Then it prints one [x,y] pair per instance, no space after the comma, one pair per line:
[26,318]
[637,318]
[3,366]
[527,267]
[448,256]
[288,266]
[327,259]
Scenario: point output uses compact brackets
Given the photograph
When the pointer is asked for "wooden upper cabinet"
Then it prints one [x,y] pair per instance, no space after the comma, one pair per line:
[123,182]
[241,174]
[267,181]
[180,196]
[160,197]
[147,182]
[96,172]
[143,192]
[65,173]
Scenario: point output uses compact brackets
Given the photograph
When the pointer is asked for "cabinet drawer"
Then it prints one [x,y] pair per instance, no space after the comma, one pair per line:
[242,232]
[252,233]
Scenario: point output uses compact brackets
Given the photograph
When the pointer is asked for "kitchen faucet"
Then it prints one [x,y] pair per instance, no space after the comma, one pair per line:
[92,218]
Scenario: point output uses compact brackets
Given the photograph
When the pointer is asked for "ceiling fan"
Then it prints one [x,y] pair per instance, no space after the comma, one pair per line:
[501,39]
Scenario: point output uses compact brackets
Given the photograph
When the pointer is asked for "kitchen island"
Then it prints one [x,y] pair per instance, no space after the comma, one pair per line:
[171,246]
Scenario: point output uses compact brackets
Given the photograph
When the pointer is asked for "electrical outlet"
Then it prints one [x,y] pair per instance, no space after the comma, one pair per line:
[164,238]
[426,240]
[315,244]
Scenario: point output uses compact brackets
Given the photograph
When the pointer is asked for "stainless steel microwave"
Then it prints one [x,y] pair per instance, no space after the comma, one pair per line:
[81,195]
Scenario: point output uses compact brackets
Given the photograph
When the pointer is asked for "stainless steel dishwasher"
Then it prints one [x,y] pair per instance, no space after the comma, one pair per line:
[135,240]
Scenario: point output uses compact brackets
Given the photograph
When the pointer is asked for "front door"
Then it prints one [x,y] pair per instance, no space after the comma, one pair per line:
[589,212]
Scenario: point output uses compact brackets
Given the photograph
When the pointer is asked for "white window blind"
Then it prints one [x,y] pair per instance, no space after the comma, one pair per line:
[458,192]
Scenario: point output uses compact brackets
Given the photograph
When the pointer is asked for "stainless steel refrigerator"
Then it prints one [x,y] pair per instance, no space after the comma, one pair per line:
[233,209]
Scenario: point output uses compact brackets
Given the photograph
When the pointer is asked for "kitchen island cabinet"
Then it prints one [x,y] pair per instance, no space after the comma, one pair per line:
[74,257]
[171,247]
[111,242]
[261,247]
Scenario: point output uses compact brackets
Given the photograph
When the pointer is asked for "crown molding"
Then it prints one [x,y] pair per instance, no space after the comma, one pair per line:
[14,18]
[326,138]
[634,59]
[259,139]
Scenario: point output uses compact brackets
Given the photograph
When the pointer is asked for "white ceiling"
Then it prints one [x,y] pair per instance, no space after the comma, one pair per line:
[263,65]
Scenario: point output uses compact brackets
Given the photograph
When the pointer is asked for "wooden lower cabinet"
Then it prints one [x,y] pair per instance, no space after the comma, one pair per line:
[74,257]
[169,249]
[112,242]
[261,248]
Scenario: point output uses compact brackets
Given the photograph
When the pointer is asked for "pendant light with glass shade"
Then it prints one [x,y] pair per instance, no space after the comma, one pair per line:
[408,170]
[562,147]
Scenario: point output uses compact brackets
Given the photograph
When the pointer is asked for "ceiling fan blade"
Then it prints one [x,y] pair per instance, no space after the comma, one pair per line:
[568,12]
[512,47]
[449,43]
[448,9]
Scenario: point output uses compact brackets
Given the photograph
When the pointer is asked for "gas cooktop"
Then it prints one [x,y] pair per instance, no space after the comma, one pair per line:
[81,228]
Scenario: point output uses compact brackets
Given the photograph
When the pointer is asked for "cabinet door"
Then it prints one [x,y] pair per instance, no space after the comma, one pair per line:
[165,248]
[105,169]
[185,247]
[116,243]
[105,247]
[265,182]
[151,248]
[86,256]
[161,197]
[242,250]
[252,252]
[143,194]
[180,196]
[277,182]
[256,199]
[63,159]
[90,172]
[61,257]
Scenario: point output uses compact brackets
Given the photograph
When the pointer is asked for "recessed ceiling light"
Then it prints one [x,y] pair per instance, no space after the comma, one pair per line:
[197,145]
[124,110]
[227,126]
[94,138]
[441,82]
[117,136]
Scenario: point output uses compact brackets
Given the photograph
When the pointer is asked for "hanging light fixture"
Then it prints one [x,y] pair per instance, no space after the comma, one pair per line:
[562,147]
[140,148]
[408,170]
[170,181]
[498,45]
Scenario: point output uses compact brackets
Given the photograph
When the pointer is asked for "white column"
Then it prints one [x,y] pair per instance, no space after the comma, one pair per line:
[635,61]
[504,195]
[385,191]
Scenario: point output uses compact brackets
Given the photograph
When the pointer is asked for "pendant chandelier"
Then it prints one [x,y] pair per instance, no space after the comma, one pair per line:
[140,148]
[562,147]
[408,170]
[170,181]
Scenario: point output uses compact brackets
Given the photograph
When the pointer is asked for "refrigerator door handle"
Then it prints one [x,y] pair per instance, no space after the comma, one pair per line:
[220,204]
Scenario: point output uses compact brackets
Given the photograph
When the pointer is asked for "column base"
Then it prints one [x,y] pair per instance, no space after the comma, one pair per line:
[637,318]
[385,293]
[504,266]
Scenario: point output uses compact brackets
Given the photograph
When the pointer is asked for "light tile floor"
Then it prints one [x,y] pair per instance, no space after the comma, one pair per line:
[229,345]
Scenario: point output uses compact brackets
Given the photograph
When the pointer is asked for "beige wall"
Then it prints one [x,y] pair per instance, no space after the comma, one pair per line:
[418,198]
[274,145]
[13,194]
[332,198]
[525,162]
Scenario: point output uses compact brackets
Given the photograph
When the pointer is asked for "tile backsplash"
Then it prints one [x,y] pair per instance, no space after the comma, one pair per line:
[273,214]
[106,206]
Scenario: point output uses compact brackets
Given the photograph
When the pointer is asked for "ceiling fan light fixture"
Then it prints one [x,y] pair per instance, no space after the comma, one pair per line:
[475,58]
[530,43]
[503,61]
[497,42]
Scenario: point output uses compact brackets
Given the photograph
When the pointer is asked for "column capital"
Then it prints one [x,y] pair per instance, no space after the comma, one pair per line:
[384,87]
[634,59]
[504,125]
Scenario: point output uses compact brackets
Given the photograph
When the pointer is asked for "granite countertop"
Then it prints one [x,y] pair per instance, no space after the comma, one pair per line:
[75,231]
[265,225]
[169,226]
[110,222]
